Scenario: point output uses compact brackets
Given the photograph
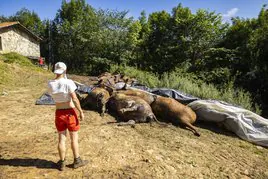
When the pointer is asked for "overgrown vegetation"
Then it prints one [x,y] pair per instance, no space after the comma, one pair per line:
[224,60]
[189,85]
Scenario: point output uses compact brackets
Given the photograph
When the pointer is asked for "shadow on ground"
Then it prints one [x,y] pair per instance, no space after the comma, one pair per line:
[214,127]
[28,162]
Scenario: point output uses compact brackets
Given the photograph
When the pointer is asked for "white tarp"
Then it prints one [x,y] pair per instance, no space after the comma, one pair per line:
[244,123]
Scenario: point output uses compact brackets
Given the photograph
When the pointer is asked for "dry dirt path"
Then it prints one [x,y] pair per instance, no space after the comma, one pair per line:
[28,147]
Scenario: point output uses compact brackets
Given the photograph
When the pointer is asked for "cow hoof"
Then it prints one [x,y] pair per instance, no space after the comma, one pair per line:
[122,110]
[197,134]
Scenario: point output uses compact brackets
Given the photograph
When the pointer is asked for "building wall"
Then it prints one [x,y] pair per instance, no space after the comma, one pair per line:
[15,40]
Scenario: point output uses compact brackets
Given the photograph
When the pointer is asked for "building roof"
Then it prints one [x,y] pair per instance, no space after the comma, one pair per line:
[19,25]
[7,24]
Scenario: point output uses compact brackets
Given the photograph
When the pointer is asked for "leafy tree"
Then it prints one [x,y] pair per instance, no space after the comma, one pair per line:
[86,38]
[256,80]
[72,30]
[116,42]
[138,33]
[156,42]
[3,19]
[30,20]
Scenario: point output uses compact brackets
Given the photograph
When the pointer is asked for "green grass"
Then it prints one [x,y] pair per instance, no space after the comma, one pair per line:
[189,84]
[12,58]
[5,76]
[18,71]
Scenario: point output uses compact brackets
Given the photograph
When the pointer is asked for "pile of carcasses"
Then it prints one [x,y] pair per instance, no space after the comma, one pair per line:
[113,93]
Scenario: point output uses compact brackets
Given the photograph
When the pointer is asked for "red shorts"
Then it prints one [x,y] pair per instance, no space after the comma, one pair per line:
[66,119]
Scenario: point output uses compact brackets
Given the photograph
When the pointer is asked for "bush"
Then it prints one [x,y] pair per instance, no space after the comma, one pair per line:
[146,78]
[189,84]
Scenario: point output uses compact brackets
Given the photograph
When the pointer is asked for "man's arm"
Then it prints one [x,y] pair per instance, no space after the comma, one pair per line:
[77,105]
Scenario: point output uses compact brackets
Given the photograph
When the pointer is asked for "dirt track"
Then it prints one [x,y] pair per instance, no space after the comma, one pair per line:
[28,142]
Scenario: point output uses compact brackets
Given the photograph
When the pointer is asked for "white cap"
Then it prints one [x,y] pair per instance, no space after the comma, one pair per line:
[60,68]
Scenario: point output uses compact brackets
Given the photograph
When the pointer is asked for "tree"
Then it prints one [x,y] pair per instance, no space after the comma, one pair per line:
[30,20]
[156,42]
[73,28]
[115,39]
[88,40]
[257,78]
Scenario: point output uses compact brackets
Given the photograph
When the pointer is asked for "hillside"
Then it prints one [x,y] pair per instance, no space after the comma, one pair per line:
[28,140]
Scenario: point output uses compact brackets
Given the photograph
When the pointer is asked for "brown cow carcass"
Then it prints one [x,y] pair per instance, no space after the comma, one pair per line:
[131,108]
[96,99]
[146,96]
[114,81]
[175,112]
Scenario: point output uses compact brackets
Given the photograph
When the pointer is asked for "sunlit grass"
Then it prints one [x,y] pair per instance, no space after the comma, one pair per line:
[18,71]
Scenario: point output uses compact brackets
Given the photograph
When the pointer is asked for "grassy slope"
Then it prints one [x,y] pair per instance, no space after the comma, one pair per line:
[17,71]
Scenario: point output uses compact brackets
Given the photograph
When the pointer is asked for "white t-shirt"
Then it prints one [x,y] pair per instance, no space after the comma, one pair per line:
[60,89]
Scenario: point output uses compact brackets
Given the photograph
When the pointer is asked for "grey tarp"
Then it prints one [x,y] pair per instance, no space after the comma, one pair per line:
[45,99]
[176,94]
[244,123]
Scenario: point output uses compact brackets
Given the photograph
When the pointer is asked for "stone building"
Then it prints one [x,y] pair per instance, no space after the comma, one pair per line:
[14,37]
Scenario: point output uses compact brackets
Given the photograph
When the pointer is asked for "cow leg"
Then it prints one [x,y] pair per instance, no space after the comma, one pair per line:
[101,103]
[189,125]
[129,123]
[103,109]
[152,118]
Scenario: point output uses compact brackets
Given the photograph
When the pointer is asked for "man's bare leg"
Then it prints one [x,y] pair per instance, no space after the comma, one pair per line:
[78,162]
[74,143]
[62,144]
[62,149]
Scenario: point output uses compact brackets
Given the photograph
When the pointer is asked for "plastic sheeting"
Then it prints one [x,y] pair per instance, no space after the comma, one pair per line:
[244,123]
[83,88]
[45,99]
[178,95]
[120,85]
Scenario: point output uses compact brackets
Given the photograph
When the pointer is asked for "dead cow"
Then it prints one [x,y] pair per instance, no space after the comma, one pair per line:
[169,108]
[106,79]
[96,99]
[146,96]
[130,108]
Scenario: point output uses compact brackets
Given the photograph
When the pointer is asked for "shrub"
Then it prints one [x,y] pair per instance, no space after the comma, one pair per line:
[190,84]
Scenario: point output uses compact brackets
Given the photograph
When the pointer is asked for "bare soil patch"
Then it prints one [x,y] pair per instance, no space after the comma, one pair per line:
[28,141]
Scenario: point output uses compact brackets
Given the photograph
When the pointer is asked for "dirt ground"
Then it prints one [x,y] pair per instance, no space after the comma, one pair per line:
[28,146]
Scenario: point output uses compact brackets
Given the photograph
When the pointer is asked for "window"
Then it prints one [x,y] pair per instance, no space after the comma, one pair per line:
[1,43]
